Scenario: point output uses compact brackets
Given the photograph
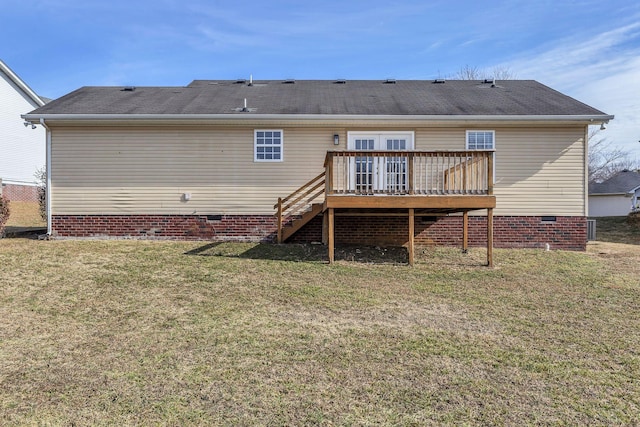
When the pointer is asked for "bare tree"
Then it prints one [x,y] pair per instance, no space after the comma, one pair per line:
[607,159]
[502,73]
[469,72]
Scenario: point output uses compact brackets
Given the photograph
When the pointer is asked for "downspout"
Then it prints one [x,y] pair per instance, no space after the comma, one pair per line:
[48,176]
[585,163]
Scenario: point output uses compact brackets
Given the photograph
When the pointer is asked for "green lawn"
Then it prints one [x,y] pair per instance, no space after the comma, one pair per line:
[175,333]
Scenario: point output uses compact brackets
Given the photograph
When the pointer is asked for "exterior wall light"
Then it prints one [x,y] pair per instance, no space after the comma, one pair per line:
[336,139]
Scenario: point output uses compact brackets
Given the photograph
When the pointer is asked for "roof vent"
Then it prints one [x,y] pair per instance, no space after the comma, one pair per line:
[492,82]
[439,81]
[244,108]
[389,82]
[289,82]
[240,81]
[128,89]
[340,82]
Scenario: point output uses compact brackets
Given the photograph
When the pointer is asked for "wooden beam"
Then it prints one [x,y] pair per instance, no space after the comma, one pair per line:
[410,161]
[490,237]
[328,186]
[413,202]
[325,228]
[374,214]
[279,214]
[331,240]
[490,174]
[411,238]
[465,232]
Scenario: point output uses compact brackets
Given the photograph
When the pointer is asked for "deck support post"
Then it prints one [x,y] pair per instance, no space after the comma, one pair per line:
[325,228]
[490,237]
[279,214]
[411,238]
[331,241]
[465,232]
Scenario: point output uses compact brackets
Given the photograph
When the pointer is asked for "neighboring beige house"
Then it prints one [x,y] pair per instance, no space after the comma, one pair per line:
[210,161]
[617,196]
[22,149]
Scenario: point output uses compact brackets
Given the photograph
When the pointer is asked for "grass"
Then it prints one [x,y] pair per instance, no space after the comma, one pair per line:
[617,229]
[176,333]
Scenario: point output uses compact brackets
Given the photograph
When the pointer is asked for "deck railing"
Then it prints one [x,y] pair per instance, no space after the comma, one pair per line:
[299,201]
[409,172]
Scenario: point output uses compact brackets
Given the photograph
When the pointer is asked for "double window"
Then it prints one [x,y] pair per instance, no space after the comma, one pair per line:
[267,146]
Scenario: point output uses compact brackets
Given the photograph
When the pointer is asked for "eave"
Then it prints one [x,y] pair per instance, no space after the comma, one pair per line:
[312,119]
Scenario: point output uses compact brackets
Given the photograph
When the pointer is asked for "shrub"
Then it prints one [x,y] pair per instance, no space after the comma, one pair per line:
[4,214]
[41,176]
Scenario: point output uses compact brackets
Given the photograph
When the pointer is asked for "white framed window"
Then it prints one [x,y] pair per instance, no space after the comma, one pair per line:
[268,145]
[481,139]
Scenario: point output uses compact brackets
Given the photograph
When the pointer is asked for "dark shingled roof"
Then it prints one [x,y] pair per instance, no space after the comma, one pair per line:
[354,97]
[621,183]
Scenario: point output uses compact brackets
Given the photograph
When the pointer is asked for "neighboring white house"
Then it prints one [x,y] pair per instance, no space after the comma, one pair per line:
[616,196]
[22,149]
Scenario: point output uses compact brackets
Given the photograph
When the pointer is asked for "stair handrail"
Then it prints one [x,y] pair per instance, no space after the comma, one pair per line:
[299,200]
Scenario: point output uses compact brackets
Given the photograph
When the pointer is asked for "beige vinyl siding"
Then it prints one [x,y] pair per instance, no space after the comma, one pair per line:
[434,139]
[115,170]
[146,170]
[540,172]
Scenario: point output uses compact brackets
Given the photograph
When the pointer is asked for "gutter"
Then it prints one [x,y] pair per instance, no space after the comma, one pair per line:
[591,119]
[44,125]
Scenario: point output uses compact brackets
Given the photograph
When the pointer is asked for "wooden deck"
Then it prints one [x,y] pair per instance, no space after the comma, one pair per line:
[436,204]
[392,183]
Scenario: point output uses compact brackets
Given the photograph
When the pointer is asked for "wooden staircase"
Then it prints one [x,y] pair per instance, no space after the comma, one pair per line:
[300,207]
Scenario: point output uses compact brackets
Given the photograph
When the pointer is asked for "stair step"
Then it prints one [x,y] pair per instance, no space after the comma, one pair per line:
[290,228]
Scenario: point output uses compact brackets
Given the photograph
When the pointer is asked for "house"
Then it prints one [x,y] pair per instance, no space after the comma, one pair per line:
[617,196]
[376,162]
[22,149]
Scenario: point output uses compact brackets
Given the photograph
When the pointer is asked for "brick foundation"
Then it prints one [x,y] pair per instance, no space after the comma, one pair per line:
[240,228]
[20,193]
[568,233]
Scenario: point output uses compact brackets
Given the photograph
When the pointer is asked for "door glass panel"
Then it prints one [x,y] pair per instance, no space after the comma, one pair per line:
[396,167]
[379,174]
[364,166]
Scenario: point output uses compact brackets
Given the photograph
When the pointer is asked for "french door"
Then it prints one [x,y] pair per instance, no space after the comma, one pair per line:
[379,173]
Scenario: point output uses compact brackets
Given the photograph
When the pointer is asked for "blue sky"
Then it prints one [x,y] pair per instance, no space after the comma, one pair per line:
[587,49]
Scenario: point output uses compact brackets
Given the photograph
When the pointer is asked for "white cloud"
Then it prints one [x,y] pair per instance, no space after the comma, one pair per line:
[602,70]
